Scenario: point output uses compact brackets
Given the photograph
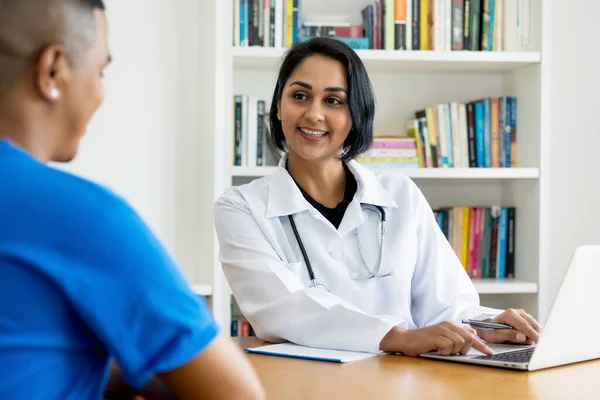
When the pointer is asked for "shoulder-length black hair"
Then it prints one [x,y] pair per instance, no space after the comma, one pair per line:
[361,100]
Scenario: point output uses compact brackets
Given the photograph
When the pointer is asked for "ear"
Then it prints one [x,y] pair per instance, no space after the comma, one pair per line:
[52,73]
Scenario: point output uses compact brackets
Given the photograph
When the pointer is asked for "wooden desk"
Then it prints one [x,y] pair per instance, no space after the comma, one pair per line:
[398,377]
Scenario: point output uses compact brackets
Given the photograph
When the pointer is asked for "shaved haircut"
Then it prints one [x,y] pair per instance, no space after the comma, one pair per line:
[27,27]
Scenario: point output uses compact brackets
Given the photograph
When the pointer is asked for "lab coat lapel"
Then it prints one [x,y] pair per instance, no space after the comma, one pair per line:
[368,191]
[285,198]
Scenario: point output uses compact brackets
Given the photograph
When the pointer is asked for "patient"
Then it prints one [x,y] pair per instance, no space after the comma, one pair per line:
[82,279]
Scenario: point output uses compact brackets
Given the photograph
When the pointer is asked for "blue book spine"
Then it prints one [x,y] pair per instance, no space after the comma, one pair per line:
[507,129]
[243,28]
[449,133]
[295,22]
[479,133]
[513,127]
[486,133]
[491,31]
[502,237]
[502,121]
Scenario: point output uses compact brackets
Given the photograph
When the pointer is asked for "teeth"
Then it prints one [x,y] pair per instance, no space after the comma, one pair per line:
[310,132]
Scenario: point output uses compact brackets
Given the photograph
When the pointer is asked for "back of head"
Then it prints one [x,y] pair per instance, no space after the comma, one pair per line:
[29,26]
[45,48]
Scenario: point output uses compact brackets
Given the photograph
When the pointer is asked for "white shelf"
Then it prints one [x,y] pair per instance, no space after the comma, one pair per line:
[504,286]
[202,290]
[415,61]
[423,173]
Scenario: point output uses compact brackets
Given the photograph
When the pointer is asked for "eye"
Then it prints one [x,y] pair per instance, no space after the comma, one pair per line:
[300,96]
[333,101]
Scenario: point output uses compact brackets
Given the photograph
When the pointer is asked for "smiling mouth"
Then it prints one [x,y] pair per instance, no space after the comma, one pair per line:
[313,132]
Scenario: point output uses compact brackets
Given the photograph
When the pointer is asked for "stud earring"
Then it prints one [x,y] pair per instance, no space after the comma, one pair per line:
[54,93]
[278,117]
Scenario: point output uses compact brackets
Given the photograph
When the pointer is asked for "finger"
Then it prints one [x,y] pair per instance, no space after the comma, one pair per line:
[444,345]
[479,345]
[468,336]
[521,324]
[457,340]
[534,324]
[502,335]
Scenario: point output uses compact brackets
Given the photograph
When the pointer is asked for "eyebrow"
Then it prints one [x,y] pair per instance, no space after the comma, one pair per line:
[309,87]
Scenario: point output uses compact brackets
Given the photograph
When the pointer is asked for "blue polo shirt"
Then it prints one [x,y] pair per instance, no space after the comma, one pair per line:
[82,280]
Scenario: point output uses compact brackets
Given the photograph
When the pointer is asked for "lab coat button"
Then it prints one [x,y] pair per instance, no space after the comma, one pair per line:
[335,254]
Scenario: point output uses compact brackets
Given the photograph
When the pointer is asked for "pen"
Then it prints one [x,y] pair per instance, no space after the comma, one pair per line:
[485,325]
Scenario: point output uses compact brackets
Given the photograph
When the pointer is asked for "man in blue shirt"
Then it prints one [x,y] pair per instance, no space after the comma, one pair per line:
[82,279]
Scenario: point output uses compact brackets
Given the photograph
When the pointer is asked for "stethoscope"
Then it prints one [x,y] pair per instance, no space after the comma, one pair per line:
[372,274]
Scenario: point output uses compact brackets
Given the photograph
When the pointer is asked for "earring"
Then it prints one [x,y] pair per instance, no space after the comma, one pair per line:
[54,93]
[278,117]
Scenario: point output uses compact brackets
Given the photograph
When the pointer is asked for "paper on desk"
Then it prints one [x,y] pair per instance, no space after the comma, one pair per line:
[310,353]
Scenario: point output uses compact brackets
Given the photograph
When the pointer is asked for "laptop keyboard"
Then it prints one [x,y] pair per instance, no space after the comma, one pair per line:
[519,356]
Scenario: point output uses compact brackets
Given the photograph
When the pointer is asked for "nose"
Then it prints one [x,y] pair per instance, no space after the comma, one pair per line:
[315,112]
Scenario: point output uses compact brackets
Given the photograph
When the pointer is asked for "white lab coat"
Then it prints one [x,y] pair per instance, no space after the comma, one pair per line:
[268,277]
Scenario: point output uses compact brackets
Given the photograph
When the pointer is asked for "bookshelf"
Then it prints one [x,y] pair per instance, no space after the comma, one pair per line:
[406,61]
[421,173]
[405,81]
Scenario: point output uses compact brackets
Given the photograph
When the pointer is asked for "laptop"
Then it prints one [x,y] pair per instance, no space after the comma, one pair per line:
[571,331]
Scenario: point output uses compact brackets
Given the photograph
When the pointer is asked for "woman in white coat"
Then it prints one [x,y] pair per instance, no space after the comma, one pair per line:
[304,250]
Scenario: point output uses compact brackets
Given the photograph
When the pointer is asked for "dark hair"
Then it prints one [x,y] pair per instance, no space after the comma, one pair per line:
[361,100]
[97,4]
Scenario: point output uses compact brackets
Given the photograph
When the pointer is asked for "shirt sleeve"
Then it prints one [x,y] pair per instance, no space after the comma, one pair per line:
[274,300]
[128,290]
[441,288]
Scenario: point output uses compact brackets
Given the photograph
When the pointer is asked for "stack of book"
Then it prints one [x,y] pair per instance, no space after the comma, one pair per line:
[337,28]
[391,151]
[479,134]
[241,328]
[483,238]
[266,23]
[440,25]
[445,25]
[251,143]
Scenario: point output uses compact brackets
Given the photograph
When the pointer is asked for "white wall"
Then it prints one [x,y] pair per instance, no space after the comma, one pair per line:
[575,133]
[144,140]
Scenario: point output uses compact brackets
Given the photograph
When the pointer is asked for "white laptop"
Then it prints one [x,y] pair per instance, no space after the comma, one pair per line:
[571,331]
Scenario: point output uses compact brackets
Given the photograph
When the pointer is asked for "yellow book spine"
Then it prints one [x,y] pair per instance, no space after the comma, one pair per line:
[424,24]
[495,131]
[290,22]
[413,131]
[465,236]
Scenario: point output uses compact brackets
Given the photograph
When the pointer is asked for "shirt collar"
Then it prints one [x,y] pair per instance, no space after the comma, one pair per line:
[285,198]
[369,190]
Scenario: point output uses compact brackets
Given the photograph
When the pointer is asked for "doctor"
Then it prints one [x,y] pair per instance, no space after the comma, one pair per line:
[326,253]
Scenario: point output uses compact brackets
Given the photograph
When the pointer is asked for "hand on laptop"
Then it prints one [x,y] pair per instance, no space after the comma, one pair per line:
[446,337]
[526,329]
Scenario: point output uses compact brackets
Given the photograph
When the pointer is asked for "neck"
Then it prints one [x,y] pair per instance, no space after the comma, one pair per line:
[19,129]
[324,181]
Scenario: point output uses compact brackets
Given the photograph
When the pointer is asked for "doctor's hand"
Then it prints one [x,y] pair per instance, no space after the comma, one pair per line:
[526,329]
[446,337]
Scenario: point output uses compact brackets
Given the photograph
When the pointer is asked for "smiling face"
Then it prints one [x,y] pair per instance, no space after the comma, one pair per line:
[314,111]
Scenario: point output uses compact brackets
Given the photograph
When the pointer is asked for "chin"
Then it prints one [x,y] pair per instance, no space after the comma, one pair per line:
[66,156]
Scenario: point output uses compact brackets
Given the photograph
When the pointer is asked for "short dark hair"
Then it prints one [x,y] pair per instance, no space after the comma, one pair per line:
[29,26]
[361,100]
